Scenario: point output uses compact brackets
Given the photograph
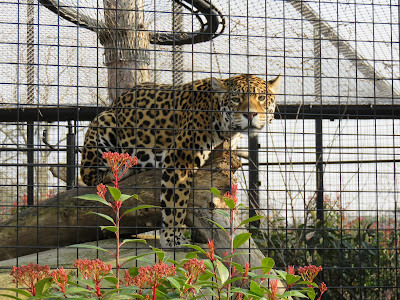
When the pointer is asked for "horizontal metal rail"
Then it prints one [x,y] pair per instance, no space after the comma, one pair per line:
[87,113]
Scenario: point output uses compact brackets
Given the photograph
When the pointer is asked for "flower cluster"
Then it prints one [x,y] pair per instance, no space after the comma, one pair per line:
[322,289]
[29,275]
[194,268]
[210,253]
[60,278]
[119,163]
[308,273]
[153,276]
[93,269]
[101,191]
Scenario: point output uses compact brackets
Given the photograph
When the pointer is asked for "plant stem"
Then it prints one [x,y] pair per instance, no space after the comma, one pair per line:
[231,250]
[118,246]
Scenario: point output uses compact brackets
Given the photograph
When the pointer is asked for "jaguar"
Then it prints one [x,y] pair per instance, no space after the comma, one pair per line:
[175,128]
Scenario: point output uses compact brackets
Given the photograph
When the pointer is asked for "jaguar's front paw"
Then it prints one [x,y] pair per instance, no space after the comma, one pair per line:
[171,239]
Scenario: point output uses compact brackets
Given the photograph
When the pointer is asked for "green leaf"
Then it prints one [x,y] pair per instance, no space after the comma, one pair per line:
[138,257]
[134,241]
[174,282]
[252,219]
[215,223]
[109,228]
[291,279]
[191,255]
[88,247]
[281,273]
[233,280]
[208,264]
[255,288]
[310,293]
[216,192]
[293,293]
[20,291]
[230,203]
[94,197]
[226,258]
[222,212]
[238,267]
[160,255]
[101,215]
[42,286]
[111,279]
[267,264]
[240,239]
[139,207]
[223,272]
[124,197]
[9,296]
[115,193]
[195,247]
[308,283]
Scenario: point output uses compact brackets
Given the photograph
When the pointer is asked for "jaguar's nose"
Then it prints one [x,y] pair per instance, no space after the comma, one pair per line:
[249,115]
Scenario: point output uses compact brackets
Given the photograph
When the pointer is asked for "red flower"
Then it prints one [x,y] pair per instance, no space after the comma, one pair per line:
[274,290]
[194,268]
[94,269]
[246,269]
[153,276]
[60,278]
[290,270]
[233,194]
[322,289]
[29,275]
[210,253]
[308,273]
[101,191]
[119,164]
[128,279]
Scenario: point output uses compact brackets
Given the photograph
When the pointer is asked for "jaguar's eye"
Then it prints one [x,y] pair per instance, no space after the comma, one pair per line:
[235,99]
[262,98]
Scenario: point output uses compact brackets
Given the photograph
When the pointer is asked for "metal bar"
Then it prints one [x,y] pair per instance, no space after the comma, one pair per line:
[88,113]
[70,157]
[30,132]
[318,123]
[254,182]
[319,169]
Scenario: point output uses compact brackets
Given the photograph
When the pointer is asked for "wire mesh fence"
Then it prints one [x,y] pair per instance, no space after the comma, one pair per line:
[323,173]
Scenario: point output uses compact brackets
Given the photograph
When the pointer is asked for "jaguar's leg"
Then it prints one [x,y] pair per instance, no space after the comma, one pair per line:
[175,188]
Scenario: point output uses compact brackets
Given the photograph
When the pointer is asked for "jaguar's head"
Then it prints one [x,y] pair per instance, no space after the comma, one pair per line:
[247,102]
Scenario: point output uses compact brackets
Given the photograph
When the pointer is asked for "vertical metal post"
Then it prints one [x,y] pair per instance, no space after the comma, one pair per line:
[319,168]
[70,157]
[30,99]
[30,133]
[177,51]
[30,54]
[318,124]
[254,184]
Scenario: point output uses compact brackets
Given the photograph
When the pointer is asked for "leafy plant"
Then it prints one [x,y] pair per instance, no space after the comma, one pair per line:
[190,278]
[352,250]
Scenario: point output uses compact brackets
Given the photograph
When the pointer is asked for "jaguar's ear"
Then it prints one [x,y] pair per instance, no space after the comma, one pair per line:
[217,85]
[273,85]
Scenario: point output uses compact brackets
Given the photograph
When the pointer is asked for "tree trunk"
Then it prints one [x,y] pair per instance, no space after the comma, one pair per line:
[126,44]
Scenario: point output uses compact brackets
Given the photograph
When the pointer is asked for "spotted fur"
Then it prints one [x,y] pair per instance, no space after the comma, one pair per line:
[175,128]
